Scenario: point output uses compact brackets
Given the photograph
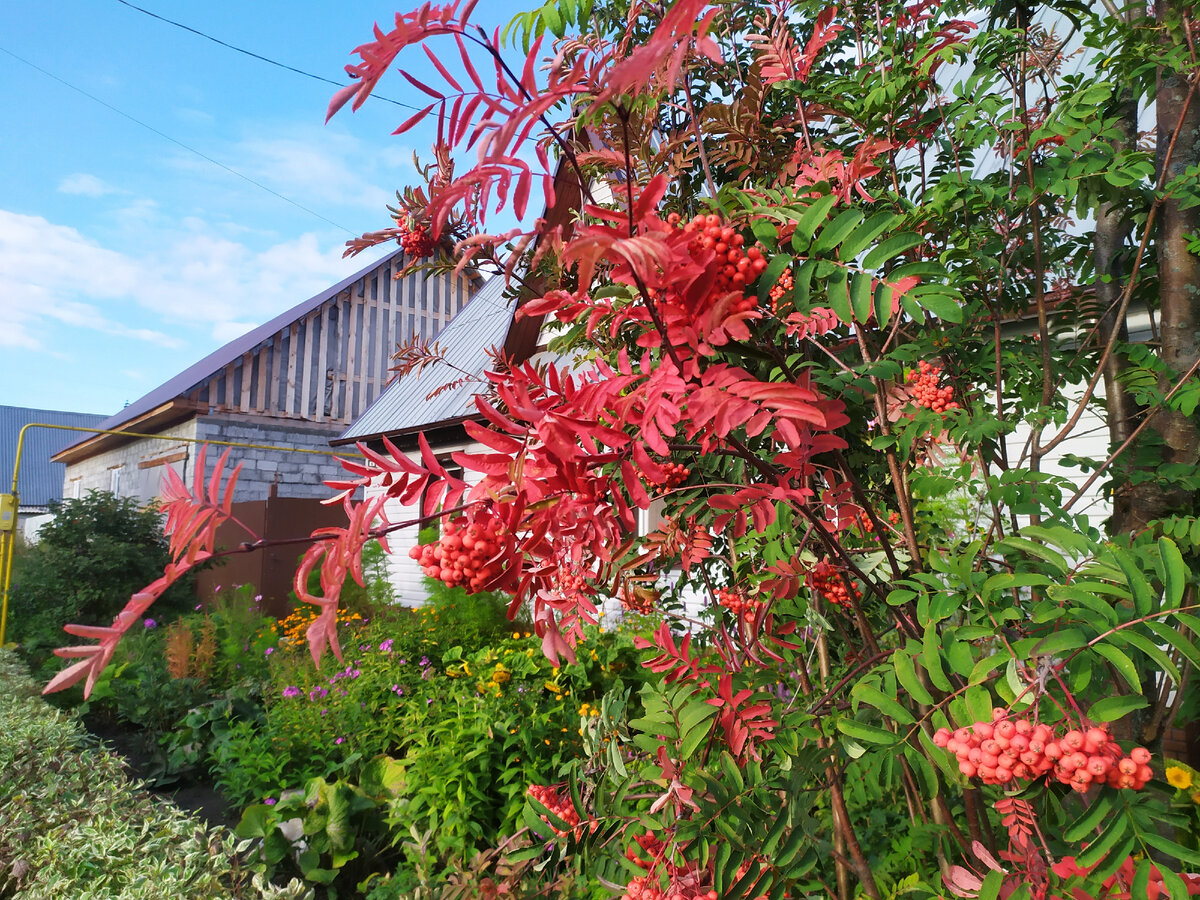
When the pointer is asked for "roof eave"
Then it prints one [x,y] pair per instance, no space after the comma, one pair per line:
[162,416]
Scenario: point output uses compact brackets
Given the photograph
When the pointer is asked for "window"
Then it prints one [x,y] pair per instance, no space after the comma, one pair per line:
[114,479]
[76,488]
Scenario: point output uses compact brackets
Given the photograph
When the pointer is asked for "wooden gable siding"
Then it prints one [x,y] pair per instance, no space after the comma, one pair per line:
[331,364]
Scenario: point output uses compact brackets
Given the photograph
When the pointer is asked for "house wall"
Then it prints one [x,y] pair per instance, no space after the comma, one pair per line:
[142,463]
[293,474]
[331,363]
[139,465]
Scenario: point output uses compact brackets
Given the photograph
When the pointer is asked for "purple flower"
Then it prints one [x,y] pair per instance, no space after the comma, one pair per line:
[149,623]
[258,598]
[428,700]
[198,605]
[268,651]
[355,673]
[423,661]
[291,691]
[403,661]
[386,647]
[270,801]
[339,740]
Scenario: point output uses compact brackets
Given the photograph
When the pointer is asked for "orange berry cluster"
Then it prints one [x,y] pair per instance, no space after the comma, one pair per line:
[676,474]
[1006,749]
[826,580]
[738,603]
[416,242]
[557,804]
[926,391]
[467,554]
[732,268]
[782,287]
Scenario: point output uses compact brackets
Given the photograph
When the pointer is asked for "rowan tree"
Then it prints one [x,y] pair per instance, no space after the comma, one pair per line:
[829,279]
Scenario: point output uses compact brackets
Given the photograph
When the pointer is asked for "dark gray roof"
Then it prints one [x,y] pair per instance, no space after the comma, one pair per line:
[182,383]
[39,480]
[404,406]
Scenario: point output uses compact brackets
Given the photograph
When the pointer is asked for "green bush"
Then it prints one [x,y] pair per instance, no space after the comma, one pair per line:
[470,729]
[96,552]
[72,825]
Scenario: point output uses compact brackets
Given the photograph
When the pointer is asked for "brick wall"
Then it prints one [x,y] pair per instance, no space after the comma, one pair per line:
[140,464]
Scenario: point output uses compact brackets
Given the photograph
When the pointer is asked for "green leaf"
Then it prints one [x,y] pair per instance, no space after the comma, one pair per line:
[861,296]
[1123,664]
[941,305]
[890,249]
[865,233]
[1041,551]
[1060,642]
[1172,849]
[1174,572]
[984,668]
[1098,849]
[838,230]
[906,674]
[979,702]
[1174,638]
[924,771]
[696,734]
[1150,649]
[837,297]
[931,658]
[1143,596]
[889,706]
[1112,708]
[990,889]
[806,225]
[867,733]
[1082,827]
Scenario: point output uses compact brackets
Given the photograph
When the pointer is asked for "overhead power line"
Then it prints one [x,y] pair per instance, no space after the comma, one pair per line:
[178,143]
[257,56]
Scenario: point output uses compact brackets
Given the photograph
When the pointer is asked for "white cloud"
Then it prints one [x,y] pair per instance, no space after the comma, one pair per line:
[85,185]
[194,286]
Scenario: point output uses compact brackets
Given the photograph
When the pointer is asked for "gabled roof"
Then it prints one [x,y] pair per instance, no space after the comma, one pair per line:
[182,383]
[39,480]
[405,406]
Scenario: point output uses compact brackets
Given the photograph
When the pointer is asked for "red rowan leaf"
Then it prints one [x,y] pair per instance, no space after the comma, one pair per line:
[442,70]
[414,119]
[422,86]
[341,98]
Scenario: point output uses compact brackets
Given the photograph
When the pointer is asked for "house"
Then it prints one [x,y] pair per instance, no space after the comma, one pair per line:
[39,481]
[410,406]
[282,392]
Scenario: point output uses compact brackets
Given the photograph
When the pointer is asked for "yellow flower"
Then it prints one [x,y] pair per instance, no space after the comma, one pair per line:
[1179,777]
[516,635]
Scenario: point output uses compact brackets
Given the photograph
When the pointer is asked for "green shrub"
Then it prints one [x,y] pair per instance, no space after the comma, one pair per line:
[470,730]
[72,825]
[96,552]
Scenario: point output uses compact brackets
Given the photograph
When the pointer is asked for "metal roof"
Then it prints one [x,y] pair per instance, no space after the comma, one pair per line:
[39,480]
[405,405]
[182,383]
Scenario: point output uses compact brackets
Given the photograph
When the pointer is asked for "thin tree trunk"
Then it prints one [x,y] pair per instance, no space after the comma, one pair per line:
[1178,148]
[1113,228]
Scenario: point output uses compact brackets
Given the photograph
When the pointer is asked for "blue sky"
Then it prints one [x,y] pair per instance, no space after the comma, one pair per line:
[125,257]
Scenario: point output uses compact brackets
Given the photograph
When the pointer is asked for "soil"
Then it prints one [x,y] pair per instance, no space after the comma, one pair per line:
[142,763]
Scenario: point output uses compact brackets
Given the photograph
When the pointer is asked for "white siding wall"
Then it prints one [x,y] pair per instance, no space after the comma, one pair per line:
[1088,439]
[405,575]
